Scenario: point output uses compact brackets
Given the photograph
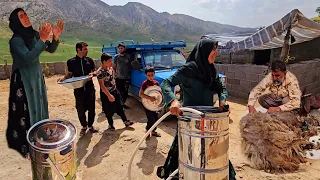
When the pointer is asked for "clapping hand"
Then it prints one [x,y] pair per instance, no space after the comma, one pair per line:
[58,29]
[44,32]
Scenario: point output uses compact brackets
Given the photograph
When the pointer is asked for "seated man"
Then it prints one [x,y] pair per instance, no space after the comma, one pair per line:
[278,91]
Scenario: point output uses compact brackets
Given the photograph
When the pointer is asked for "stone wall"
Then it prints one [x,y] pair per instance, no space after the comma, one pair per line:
[241,78]
[48,69]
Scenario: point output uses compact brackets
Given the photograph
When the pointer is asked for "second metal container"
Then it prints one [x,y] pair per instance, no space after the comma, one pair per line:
[52,150]
[204,145]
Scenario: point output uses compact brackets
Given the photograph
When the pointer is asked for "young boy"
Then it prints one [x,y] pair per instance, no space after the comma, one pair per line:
[109,94]
[152,116]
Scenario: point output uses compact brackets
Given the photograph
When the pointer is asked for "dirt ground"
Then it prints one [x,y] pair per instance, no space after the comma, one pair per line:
[105,155]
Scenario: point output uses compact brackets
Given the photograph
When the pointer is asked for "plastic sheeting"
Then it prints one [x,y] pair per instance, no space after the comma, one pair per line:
[302,29]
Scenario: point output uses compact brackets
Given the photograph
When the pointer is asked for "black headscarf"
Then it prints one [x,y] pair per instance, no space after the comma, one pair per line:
[198,66]
[27,34]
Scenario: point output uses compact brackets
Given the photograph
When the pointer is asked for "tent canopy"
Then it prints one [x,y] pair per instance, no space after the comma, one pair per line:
[302,29]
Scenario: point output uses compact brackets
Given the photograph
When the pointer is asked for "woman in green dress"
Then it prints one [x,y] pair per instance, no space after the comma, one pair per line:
[28,102]
[199,81]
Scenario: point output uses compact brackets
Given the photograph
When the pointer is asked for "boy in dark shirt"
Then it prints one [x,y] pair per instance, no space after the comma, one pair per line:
[152,116]
[109,94]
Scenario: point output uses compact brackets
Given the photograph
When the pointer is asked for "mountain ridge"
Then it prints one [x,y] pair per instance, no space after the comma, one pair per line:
[131,21]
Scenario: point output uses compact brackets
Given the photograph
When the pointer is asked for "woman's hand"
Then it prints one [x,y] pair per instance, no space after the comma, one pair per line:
[175,108]
[58,29]
[221,105]
[44,32]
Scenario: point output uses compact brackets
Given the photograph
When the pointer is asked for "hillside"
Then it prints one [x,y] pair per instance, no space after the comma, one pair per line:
[133,20]
[98,23]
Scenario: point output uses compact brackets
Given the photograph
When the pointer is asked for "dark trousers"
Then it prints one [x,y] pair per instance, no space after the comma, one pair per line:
[123,87]
[152,117]
[109,108]
[85,101]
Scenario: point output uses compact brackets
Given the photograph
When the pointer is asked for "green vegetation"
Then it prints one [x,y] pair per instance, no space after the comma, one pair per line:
[66,48]
[317,19]
[65,51]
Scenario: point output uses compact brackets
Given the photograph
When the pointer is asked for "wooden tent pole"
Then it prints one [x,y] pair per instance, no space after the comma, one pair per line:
[285,47]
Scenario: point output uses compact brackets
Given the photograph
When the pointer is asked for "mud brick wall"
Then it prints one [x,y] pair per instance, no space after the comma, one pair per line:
[242,78]
[241,57]
[5,71]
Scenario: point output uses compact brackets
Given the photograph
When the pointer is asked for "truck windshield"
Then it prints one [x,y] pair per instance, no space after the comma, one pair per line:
[164,59]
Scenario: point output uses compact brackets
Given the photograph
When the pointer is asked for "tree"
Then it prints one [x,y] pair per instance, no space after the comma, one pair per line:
[318,11]
[261,28]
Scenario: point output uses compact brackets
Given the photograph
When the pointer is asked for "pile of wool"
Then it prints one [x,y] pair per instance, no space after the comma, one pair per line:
[273,141]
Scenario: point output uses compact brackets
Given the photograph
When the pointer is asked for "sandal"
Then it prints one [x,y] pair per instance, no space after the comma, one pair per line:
[93,130]
[83,132]
[156,134]
[128,123]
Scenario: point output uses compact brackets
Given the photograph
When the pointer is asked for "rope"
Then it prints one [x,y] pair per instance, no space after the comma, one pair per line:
[289,58]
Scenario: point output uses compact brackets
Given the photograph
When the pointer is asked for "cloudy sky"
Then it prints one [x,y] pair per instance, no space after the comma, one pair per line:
[244,13]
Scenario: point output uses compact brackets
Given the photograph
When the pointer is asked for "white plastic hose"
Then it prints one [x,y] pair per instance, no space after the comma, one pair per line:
[172,174]
[148,133]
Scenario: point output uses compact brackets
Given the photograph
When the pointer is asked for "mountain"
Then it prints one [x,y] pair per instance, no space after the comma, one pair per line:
[96,19]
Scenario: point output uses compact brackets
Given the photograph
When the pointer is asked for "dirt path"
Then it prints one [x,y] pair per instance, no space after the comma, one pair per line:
[105,155]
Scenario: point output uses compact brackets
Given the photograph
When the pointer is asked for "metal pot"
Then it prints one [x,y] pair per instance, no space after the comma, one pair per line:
[75,82]
[156,105]
[204,144]
[52,149]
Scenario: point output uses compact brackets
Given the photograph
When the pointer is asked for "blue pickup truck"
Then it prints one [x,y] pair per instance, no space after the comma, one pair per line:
[165,57]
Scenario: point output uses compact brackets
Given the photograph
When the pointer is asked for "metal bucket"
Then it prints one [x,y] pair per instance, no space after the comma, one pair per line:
[52,150]
[204,144]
